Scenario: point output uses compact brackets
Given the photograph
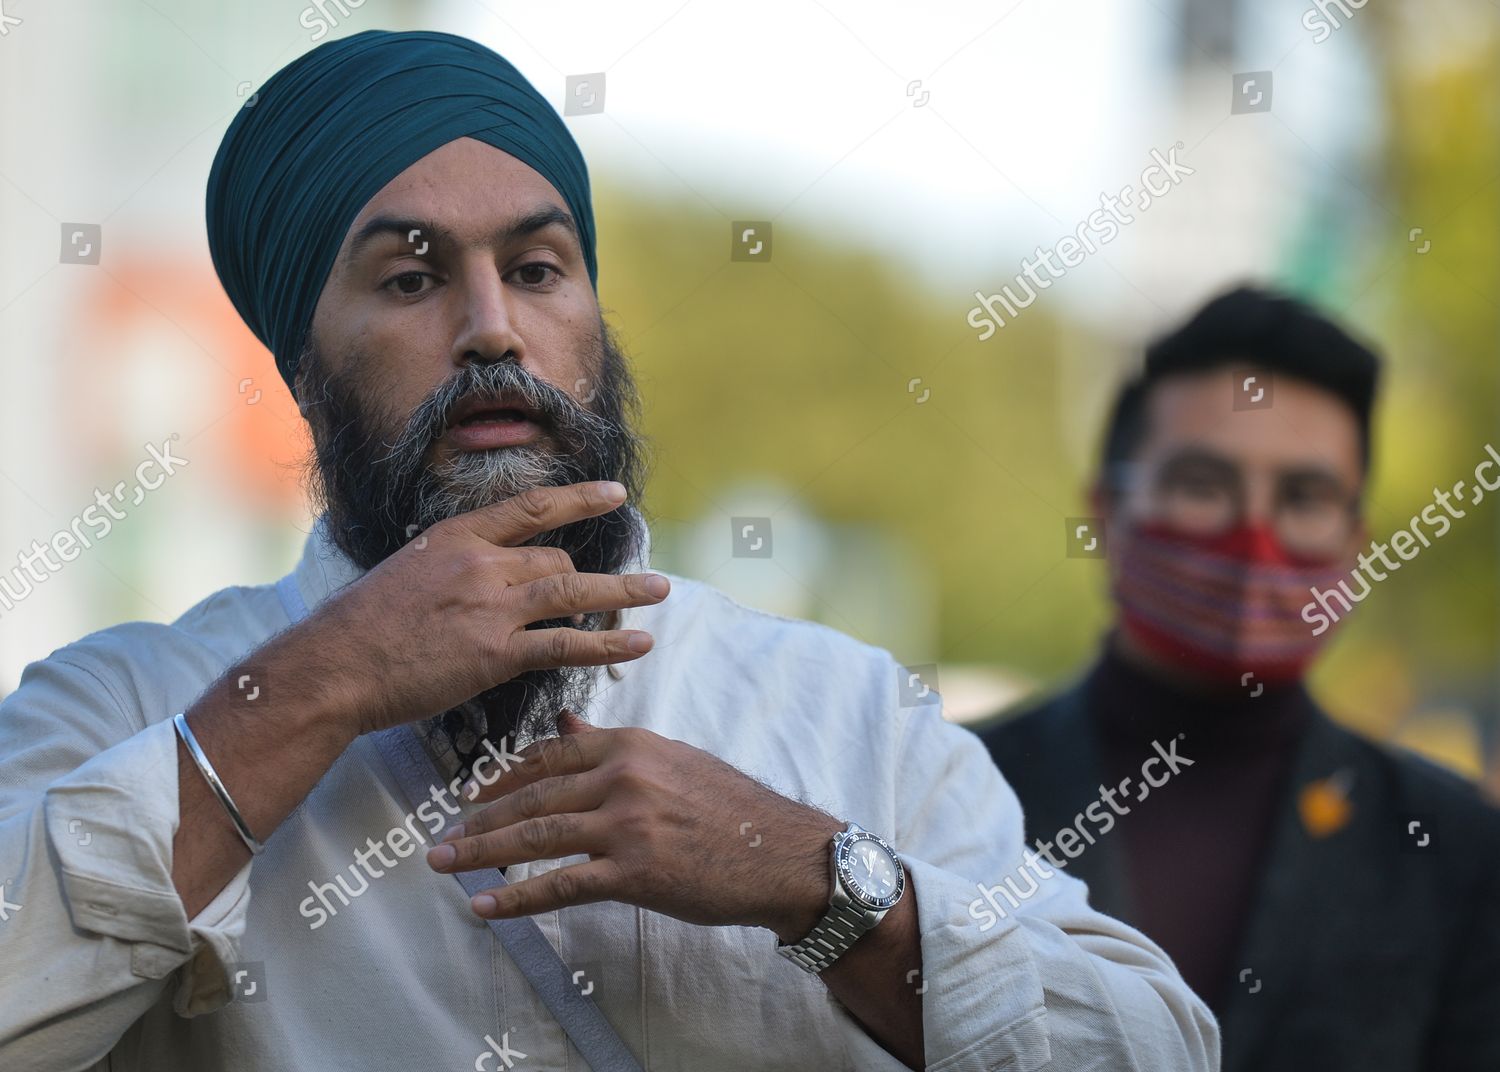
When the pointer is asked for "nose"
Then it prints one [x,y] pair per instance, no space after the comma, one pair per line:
[1260,500]
[488,330]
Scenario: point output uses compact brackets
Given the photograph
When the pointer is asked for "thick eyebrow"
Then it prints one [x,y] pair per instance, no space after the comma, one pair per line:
[1307,472]
[545,216]
[1190,456]
[1311,474]
[402,226]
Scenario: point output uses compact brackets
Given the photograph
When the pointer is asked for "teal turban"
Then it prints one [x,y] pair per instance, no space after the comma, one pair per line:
[329,130]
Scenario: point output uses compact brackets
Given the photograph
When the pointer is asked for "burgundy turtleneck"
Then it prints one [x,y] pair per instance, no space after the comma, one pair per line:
[1193,848]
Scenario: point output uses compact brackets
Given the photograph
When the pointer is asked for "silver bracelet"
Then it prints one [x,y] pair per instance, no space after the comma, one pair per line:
[211,776]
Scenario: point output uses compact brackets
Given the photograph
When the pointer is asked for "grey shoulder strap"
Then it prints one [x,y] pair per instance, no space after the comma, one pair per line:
[521,938]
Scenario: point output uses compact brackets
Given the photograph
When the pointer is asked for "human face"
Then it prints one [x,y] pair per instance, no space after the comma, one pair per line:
[458,357]
[469,255]
[1220,521]
[1202,467]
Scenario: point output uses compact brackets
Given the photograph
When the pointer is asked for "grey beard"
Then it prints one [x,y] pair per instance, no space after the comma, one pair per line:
[378,490]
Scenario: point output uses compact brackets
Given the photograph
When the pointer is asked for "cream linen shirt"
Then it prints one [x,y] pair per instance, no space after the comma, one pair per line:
[100,968]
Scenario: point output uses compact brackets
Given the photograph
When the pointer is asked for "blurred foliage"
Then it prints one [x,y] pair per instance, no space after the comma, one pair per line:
[806,367]
[800,366]
[1432,636]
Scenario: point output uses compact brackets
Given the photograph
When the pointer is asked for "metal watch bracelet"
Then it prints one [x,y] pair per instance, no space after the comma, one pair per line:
[831,938]
[847,917]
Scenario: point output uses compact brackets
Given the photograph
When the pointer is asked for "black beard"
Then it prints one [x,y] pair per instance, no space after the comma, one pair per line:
[377,490]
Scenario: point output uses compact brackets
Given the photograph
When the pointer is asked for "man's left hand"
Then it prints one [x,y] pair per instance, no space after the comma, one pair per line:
[666,826]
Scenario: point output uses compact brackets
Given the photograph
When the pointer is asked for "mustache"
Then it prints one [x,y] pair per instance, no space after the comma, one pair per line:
[567,420]
[376,470]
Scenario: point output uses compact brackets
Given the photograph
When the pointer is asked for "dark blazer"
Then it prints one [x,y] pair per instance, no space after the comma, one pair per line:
[1367,951]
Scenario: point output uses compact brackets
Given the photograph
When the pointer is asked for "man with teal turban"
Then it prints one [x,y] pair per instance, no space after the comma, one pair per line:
[405,223]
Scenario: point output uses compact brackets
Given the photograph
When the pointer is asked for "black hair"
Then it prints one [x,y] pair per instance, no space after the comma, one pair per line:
[1255,328]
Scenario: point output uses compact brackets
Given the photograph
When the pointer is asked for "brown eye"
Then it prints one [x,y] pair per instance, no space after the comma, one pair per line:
[535,275]
[409,282]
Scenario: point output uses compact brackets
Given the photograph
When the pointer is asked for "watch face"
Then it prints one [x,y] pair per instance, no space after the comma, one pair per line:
[871,871]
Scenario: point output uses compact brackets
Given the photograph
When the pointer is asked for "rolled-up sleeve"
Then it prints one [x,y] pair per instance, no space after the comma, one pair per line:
[93,931]
[1047,979]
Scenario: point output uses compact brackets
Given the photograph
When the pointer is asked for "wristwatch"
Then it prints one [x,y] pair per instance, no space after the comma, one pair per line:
[868,880]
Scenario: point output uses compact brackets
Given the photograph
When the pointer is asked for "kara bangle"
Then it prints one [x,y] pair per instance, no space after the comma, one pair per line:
[211,776]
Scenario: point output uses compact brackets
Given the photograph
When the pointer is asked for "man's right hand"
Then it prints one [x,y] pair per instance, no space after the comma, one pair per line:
[445,617]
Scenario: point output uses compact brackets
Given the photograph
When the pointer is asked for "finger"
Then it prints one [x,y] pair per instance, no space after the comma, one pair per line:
[597,880]
[569,722]
[542,649]
[548,837]
[522,565]
[541,509]
[562,595]
[549,758]
[557,795]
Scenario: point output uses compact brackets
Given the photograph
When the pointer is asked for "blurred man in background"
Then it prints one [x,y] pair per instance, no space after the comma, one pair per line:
[1337,903]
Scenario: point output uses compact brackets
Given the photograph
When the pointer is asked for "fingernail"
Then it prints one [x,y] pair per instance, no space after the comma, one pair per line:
[612,489]
[454,833]
[484,904]
[441,856]
[657,585]
[639,642]
[470,789]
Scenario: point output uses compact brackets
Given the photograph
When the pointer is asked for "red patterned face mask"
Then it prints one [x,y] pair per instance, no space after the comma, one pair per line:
[1221,606]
